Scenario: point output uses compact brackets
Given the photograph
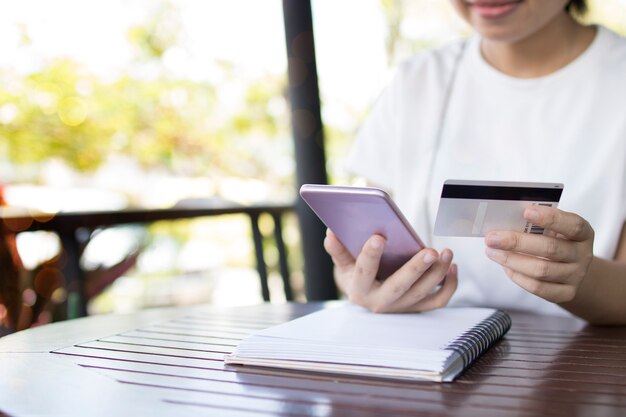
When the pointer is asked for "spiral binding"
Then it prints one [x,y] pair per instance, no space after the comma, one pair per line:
[471,344]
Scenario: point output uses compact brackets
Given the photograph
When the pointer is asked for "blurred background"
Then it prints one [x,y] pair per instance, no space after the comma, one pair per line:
[144,103]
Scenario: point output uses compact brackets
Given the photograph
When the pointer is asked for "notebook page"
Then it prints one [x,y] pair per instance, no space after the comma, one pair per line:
[351,325]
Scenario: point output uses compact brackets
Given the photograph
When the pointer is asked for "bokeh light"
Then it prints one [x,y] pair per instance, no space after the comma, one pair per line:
[47,281]
[29,296]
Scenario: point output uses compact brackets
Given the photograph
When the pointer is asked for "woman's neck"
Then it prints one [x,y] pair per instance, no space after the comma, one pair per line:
[542,53]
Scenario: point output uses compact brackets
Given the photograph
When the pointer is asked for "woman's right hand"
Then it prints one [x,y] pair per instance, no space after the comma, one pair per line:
[410,289]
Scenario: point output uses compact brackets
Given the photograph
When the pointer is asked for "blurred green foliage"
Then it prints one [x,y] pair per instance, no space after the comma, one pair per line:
[66,112]
[162,121]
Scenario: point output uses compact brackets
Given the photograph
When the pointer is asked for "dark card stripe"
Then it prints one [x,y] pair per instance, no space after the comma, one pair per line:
[482,192]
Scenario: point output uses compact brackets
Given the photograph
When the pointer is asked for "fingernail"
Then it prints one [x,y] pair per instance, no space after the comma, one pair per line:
[492,253]
[429,258]
[375,243]
[494,239]
[446,256]
[531,214]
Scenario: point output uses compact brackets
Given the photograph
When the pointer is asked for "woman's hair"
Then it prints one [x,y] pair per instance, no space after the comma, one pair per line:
[577,7]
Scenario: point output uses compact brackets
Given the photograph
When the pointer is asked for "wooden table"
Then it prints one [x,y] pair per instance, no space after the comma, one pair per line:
[169,363]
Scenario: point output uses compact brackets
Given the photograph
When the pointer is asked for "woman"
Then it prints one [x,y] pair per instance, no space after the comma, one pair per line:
[535,96]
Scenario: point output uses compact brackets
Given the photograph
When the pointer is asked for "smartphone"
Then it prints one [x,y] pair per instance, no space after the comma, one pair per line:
[354,214]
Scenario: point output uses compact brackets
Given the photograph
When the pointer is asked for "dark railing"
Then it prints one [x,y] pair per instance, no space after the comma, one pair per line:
[75,229]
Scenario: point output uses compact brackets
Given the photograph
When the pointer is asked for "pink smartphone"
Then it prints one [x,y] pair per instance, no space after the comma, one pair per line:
[354,214]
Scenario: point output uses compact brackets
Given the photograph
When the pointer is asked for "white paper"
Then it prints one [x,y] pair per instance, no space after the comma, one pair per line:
[349,337]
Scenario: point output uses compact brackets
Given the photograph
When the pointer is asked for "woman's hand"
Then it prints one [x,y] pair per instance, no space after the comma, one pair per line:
[550,266]
[409,289]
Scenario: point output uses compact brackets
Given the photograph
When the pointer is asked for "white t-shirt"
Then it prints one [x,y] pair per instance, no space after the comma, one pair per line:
[568,127]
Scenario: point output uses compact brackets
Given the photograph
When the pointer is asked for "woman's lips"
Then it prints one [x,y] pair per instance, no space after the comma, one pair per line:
[494,9]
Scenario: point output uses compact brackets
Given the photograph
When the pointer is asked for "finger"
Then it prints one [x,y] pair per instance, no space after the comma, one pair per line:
[340,255]
[439,298]
[429,281]
[424,285]
[531,266]
[570,225]
[366,268]
[538,245]
[556,293]
[398,283]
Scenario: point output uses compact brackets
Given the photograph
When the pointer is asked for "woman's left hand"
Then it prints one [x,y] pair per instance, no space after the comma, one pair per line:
[551,266]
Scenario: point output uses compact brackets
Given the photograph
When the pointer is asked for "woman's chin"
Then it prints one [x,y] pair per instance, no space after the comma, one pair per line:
[500,33]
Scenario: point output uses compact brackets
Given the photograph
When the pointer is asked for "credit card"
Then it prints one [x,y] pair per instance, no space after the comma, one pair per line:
[474,208]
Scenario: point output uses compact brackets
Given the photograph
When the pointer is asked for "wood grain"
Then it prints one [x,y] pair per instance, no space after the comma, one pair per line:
[548,366]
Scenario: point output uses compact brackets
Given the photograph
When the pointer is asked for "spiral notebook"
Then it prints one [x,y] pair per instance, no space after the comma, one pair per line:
[436,345]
